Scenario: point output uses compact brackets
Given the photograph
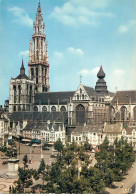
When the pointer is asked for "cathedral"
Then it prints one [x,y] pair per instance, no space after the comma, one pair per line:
[32,105]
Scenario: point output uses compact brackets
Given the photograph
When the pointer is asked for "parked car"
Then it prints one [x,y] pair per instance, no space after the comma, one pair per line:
[5,162]
[28,144]
[45,148]
[35,145]
[54,156]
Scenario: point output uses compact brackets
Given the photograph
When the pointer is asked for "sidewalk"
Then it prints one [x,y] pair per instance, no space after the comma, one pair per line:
[128,182]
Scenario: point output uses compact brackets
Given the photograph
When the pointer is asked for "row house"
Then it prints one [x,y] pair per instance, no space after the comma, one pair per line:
[4,130]
[130,135]
[92,134]
[46,132]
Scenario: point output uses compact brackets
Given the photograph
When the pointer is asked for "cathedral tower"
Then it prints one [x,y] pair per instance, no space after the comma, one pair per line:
[38,56]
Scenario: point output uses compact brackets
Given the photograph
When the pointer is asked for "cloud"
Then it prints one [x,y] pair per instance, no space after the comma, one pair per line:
[95,4]
[24,53]
[74,51]
[77,13]
[127,27]
[123,29]
[58,55]
[118,72]
[21,16]
[86,72]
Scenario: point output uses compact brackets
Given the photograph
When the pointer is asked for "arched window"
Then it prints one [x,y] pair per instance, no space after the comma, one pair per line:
[134,113]
[14,108]
[32,73]
[80,114]
[63,109]
[19,108]
[45,75]
[35,108]
[77,97]
[37,56]
[30,94]
[53,109]
[19,93]
[14,88]
[112,112]
[44,109]
[83,96]
[80,90]
[123,113]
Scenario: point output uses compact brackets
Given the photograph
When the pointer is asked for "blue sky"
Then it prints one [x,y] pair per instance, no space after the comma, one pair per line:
[81,35]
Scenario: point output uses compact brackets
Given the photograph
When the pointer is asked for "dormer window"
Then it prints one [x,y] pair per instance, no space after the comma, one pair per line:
[80,91]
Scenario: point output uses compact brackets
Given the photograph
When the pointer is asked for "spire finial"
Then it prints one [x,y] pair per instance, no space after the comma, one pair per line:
[22,62]
[81,78]
[39,8]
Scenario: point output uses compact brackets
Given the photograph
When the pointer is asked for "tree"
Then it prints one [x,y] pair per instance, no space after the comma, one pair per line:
[42,172]
[87,146]
[58,145]
[25,160]
[25,178]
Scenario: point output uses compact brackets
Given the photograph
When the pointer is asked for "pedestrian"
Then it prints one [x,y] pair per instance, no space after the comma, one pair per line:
[122,184]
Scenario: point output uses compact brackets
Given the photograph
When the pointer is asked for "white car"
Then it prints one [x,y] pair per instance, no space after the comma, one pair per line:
[35,145]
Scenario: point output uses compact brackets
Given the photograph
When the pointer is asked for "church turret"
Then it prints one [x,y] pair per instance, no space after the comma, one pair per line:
[101,86]
[101,73]
[38,59]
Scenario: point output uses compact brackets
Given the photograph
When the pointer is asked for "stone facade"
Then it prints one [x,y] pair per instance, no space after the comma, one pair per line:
[21,92]
[38,58]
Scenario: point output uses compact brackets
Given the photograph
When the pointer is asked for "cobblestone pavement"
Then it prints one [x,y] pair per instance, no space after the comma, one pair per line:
[33,153]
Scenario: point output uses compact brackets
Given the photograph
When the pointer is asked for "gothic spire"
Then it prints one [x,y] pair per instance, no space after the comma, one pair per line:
[22,69]
[39,7]
[101,73]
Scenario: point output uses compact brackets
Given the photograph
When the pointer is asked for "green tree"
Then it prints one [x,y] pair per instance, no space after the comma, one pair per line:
[25,178]
[25,160]
[58,145]
[42,172]
[87,146]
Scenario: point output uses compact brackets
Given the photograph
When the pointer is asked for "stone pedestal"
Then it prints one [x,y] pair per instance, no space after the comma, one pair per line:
[12,168]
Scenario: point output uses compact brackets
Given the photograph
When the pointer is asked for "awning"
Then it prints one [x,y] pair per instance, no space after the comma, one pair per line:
[36,141]
[50,143]
[10,140]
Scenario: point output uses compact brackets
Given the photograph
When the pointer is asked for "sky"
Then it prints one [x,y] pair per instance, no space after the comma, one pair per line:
[82,35]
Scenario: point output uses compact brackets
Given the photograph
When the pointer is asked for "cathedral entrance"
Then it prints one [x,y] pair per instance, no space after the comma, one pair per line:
[80,114]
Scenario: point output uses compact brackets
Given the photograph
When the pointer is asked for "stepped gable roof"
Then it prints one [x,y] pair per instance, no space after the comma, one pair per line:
[39,116]
[22,74]
[113,128]
[90,91]
[101,73]
[125,97]
[53,98]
